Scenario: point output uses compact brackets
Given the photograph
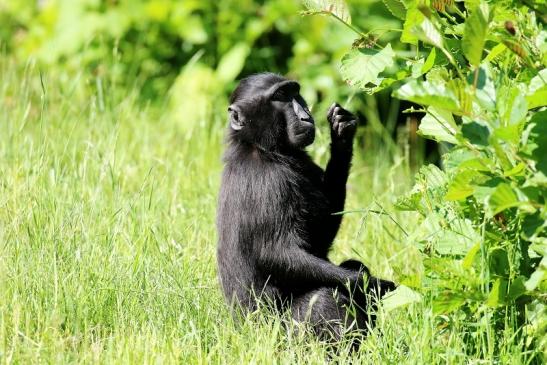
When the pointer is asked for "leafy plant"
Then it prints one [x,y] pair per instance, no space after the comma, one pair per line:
[478,71]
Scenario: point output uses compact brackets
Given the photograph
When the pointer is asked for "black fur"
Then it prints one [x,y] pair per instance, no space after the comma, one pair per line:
[275,212]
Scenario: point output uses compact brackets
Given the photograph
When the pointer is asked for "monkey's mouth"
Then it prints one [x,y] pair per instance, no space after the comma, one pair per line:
[306,137]
[306,130]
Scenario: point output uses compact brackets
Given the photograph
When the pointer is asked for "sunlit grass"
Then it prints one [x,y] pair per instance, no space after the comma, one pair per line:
[107,239]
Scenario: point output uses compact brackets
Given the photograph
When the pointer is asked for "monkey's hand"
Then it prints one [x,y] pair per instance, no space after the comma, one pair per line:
[343,125]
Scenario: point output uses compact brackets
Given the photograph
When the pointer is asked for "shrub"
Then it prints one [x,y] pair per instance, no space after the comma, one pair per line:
[477,71]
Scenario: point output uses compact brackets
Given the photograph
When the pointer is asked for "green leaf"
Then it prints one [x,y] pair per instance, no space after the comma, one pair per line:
[455,237]
[485,90]
[430,61]
[537,90]
[439,125]
[497,293]
[512,106]
[409,202]
[460,187]
[536,143]
[496,51]
[460,158]
[498,262]
[516,289]
[484,189]
[516,171]
[535,279]
[475,33]
[361,67]
[232,62]
[502,198]
[338,8]
[531,224]
[416,67]
[427,32]
[446,303]
[432,177]
[510,133]
[428,93]
[396,7]
[476,133]
[458,239]
[470,257]
[400,297]
[413,18]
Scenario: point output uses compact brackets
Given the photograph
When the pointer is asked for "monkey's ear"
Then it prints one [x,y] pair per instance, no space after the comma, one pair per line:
[237,121]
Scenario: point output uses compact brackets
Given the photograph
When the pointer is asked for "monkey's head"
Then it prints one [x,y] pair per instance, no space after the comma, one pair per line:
[266,110]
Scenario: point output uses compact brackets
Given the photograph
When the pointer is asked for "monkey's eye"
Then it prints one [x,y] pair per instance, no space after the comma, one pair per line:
[281,95]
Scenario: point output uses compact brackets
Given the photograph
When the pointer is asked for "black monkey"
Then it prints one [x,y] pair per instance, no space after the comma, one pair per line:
[275,212]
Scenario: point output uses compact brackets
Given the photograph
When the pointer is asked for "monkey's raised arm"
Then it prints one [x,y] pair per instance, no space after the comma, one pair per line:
[342,125]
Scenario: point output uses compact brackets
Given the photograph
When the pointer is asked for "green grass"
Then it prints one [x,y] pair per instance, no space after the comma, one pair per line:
[107,239]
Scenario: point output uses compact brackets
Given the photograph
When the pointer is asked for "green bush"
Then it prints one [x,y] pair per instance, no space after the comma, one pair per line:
[478,71]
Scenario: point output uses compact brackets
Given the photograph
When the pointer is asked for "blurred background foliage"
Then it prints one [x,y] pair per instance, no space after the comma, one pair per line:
[187,55]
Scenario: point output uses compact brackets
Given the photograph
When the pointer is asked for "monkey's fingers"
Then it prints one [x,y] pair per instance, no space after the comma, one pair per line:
[347,129]
[331,112]
[344,112]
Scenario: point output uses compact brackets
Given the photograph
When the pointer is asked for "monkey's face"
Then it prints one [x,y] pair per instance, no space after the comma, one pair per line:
[268,111]
[294,114]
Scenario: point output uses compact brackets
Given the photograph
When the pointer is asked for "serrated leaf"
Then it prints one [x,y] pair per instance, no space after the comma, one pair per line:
[535,279]
[512,106]
[396,7]
[470,256]
[430,61]
[485,92]
[361,67]
[416,67]
[510,133]
[536,144]
[457,158]
[502,198]
[400,297]
[537,90]
[498,262]
[447,303]
[476,133]
[439,125]
[497,293]
[475,33]
[432,177]
[336,7]
[460,187]
[458,238]
[428,93]
[427,32]
[495,52]
[516,171]
[531,224]
[413,18]
[409,202]
[447,237]
[516,289]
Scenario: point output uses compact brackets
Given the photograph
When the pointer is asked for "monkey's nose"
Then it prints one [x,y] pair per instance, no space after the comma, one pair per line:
[306,119]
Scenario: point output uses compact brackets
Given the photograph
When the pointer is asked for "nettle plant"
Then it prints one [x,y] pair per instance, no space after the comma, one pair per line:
[479,76]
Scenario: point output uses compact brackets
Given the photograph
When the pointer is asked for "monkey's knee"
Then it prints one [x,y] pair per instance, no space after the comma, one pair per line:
[375,286]
[355,265]
[325,310]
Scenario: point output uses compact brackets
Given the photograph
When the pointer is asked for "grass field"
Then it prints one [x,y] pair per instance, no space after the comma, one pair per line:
[107,239]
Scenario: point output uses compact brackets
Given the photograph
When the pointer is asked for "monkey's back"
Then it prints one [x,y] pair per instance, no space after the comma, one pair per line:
[261,200]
